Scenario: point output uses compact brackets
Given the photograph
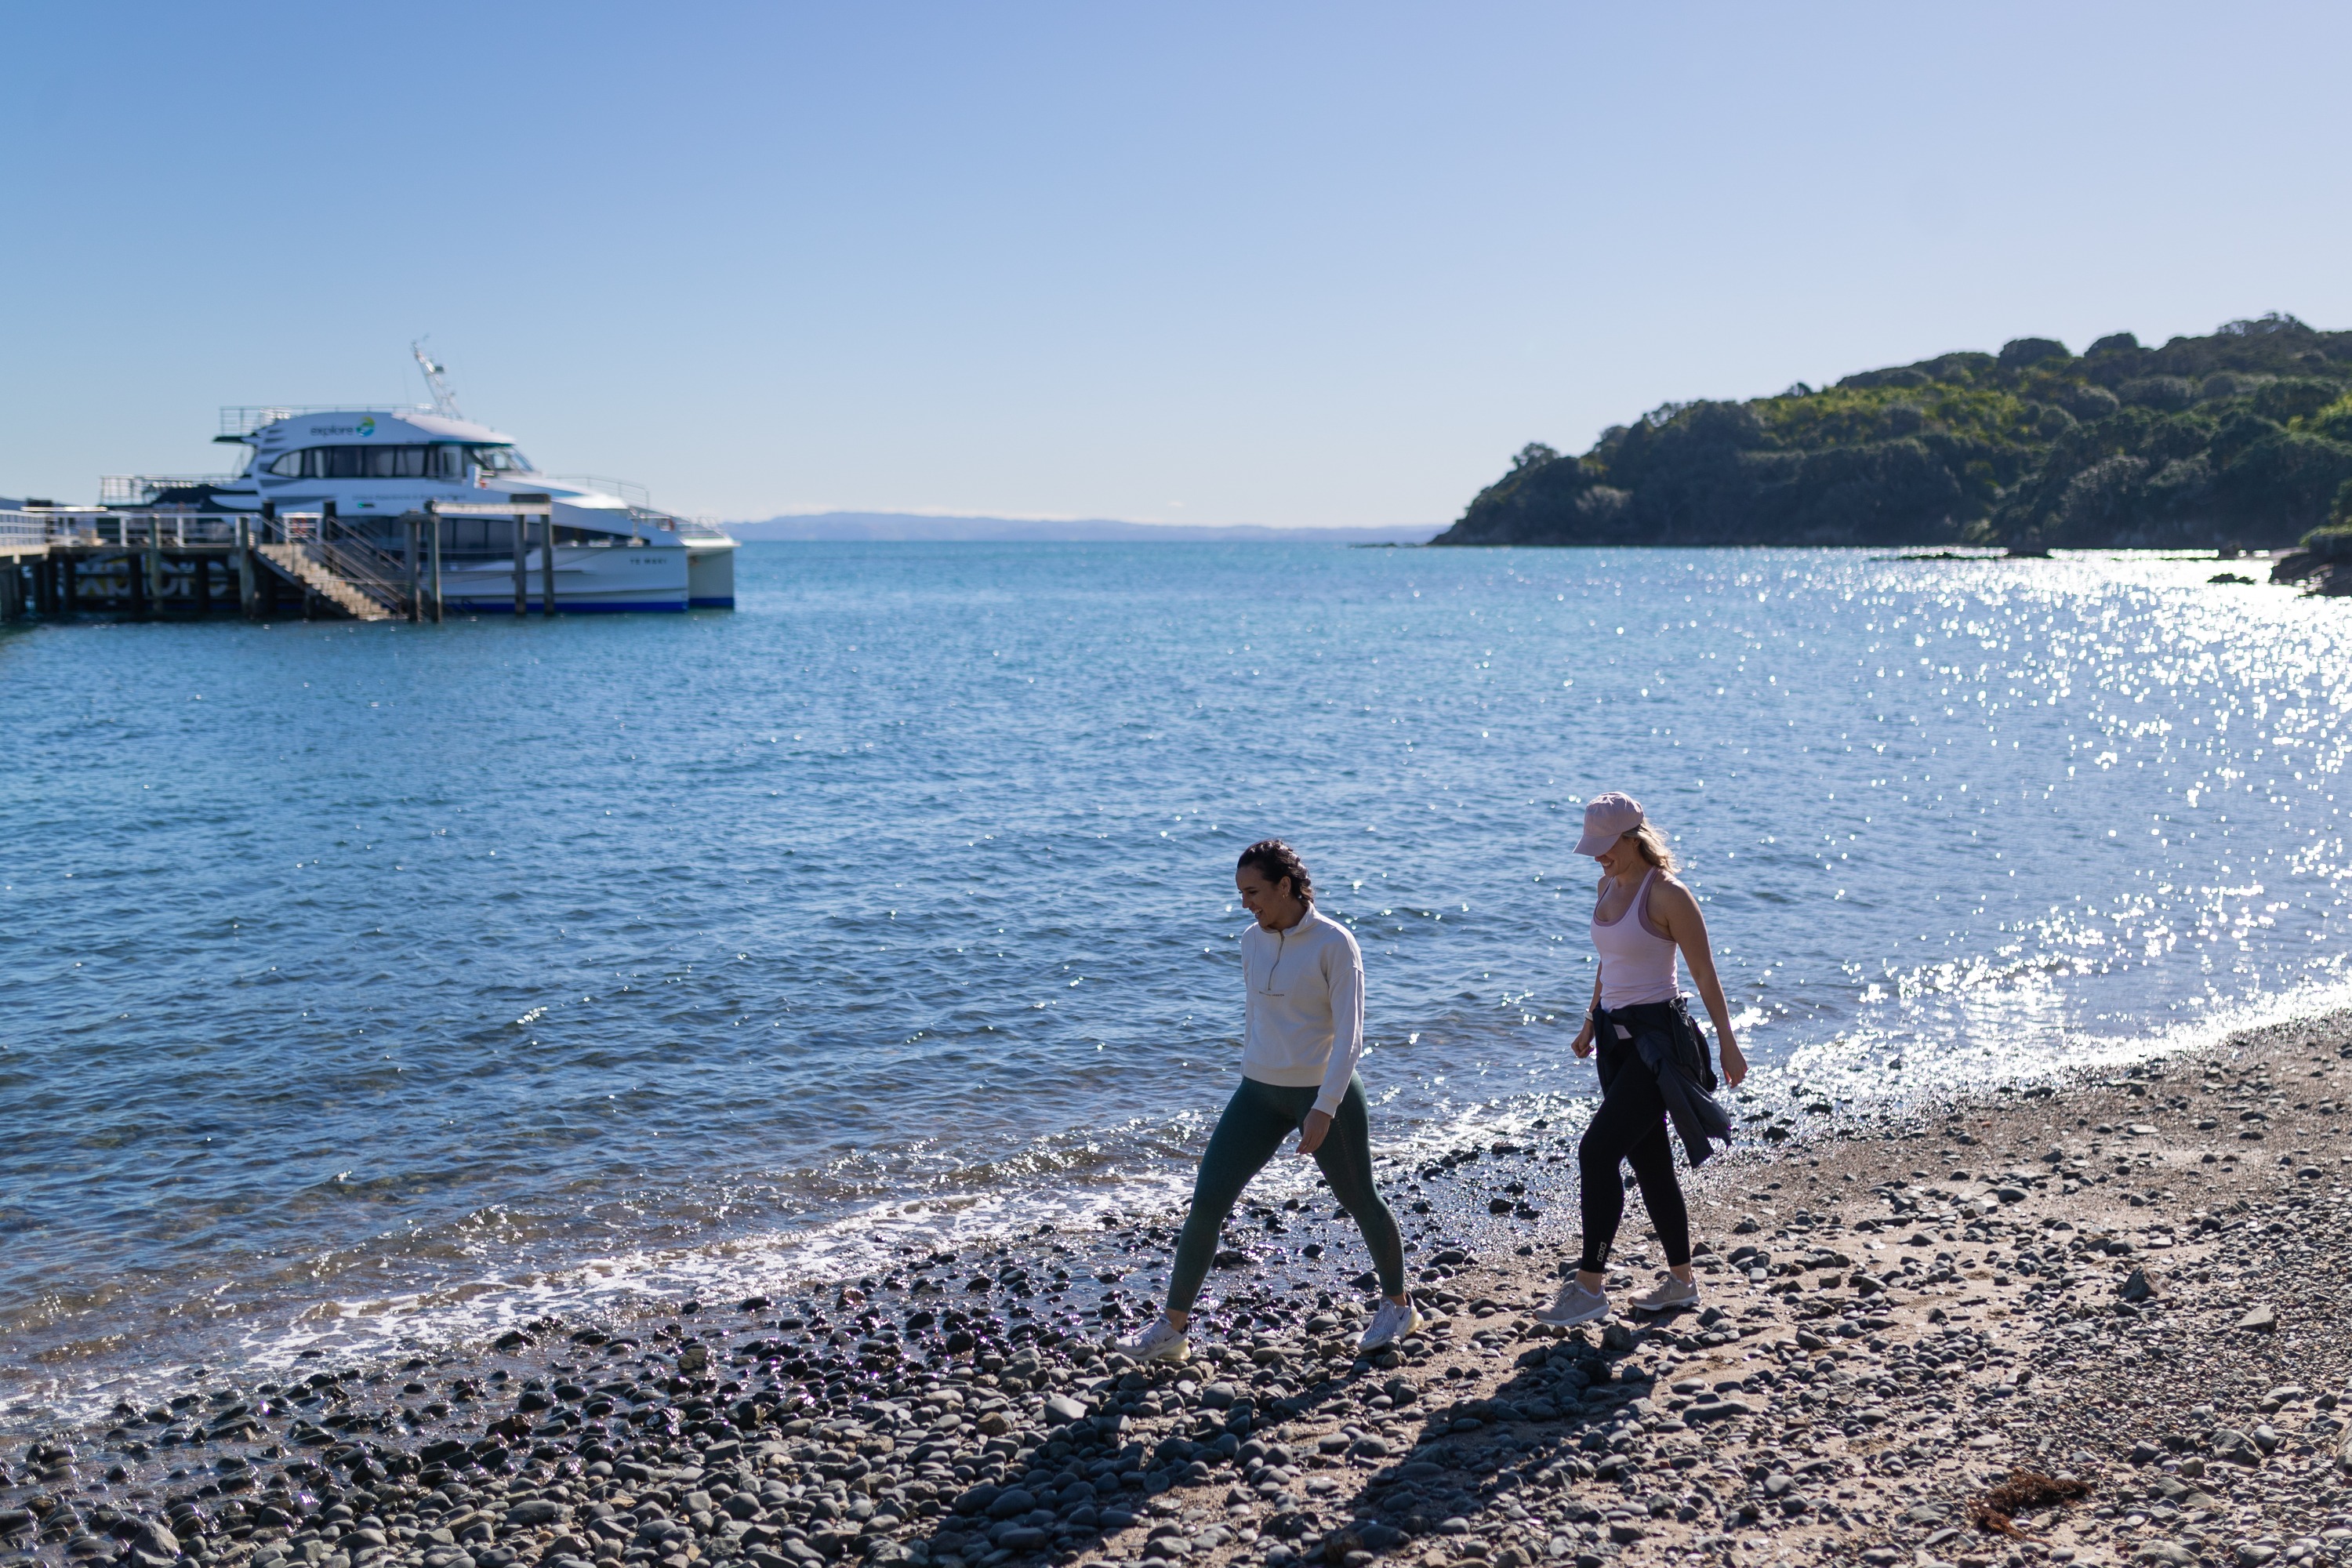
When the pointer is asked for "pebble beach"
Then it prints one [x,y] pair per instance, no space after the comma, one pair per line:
[2103,1321]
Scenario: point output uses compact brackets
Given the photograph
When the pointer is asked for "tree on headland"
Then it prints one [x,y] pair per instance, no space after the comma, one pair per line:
[2244,437]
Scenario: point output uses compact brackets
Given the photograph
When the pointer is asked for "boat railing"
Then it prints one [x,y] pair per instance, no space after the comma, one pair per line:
[23,530]
[628,491]
[129,489]
[670,523]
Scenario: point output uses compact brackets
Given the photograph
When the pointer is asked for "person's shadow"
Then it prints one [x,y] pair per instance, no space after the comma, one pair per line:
[1564,1417]
[1544,1429]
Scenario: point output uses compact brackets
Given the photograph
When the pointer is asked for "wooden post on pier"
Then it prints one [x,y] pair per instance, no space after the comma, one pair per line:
[521,574]
[249,601]
[12,591]
[409,558]
[436,568]
[154,567]
[547,563]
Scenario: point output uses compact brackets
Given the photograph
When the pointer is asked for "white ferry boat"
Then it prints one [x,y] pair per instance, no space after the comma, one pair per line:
[368,469]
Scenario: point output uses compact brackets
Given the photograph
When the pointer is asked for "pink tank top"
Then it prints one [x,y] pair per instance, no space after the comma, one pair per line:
[1637,964]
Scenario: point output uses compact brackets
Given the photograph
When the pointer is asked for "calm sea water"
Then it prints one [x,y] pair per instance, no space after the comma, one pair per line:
[374,985]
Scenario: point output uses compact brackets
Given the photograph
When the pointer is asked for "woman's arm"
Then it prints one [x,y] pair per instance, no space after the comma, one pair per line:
[1678,913]
[1342,969]
[1582,1044]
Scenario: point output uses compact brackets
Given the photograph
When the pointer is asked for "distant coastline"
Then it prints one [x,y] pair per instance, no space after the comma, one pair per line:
[920,528]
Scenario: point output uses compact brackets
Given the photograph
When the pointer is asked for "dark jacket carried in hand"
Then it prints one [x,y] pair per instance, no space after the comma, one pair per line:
[1666,1040]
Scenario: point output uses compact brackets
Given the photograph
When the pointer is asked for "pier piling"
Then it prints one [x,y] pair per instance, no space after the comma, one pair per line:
[408,561]
[248,602]
[140,566]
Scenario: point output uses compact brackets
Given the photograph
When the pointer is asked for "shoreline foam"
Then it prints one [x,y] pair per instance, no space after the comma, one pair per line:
[1844,1402]
[453,1315]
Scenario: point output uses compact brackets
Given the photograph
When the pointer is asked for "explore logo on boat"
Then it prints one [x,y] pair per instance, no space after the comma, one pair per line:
[367,426]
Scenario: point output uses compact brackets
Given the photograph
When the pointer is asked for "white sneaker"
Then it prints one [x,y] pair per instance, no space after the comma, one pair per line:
[1390,1324]
[1574,1305]
[1668,1295]
[1161,1342]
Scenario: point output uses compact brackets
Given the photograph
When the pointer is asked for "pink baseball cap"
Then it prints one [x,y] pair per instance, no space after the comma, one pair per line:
[1607,818]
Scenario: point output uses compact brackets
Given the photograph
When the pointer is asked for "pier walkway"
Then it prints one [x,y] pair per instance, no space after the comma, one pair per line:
[64,561]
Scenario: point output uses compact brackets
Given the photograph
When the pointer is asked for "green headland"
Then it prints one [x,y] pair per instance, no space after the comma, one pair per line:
[2242,438]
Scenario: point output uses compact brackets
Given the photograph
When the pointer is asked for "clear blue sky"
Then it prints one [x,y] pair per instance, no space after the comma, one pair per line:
[1287,263]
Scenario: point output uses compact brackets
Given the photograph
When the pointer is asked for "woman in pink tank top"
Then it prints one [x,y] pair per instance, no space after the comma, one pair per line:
[1651,1058]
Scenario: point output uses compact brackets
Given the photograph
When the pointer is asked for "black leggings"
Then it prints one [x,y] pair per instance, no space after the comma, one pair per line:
[1256,1119]
[1630,1125]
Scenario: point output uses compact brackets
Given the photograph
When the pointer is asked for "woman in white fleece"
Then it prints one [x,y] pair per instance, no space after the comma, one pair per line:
[1304,1036]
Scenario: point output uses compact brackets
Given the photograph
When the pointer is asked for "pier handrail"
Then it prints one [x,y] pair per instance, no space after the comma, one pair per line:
[22,529]
[380,576]
[161,528]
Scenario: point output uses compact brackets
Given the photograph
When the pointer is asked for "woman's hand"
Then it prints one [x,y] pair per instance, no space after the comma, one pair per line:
[1582,1044]
[1735,1065]
[1310,1137]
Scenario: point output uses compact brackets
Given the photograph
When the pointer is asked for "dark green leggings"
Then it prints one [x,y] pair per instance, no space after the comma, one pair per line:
[1256,1119]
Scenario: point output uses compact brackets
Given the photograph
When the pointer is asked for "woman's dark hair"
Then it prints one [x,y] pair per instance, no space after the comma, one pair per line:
[1274,860]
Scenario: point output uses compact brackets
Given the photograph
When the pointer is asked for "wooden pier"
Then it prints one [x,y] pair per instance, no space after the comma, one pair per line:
[66,561]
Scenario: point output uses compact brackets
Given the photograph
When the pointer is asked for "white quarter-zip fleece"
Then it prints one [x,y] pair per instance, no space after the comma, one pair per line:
[1305,1015]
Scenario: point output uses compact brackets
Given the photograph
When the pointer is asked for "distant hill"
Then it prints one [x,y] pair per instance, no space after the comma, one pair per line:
[2242,438]
[911,526]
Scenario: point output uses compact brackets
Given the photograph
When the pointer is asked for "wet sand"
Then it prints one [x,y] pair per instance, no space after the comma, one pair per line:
[2133,1287]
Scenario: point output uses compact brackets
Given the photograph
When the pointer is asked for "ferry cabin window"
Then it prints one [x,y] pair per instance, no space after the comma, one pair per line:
[371,462]
[499,460]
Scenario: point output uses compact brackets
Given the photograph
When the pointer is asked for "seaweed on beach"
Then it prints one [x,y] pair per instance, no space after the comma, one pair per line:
[2025,1492]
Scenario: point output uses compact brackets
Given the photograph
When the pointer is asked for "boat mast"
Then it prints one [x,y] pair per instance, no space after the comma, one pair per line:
[445,402]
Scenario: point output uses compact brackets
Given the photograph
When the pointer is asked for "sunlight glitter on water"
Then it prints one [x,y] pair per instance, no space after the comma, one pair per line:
[408,984]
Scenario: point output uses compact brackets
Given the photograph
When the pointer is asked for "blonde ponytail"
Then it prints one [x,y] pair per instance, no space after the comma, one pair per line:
[1653,846]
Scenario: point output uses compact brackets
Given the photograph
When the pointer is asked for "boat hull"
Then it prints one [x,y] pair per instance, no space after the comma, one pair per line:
[588,578]
[711,576]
